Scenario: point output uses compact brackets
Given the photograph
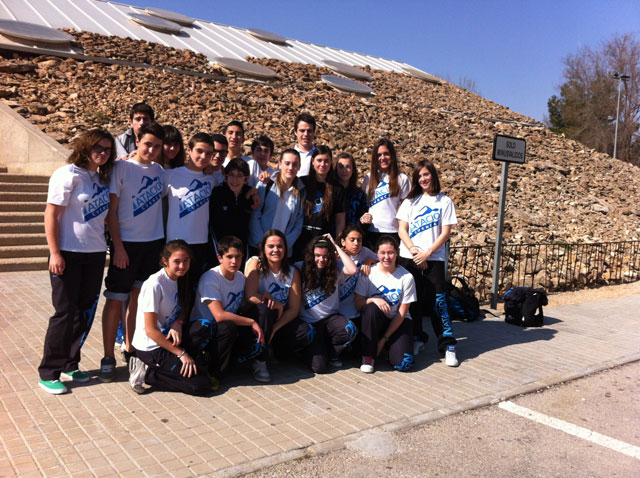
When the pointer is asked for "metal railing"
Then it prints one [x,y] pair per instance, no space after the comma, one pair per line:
[552,266]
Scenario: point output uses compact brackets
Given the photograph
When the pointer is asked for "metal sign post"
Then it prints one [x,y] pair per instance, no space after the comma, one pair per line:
[508,150]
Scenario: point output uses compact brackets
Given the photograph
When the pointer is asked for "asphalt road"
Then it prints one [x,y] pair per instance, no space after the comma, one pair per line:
[496,442]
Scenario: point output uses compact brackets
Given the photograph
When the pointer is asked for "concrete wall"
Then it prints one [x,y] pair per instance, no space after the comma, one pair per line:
[24,149]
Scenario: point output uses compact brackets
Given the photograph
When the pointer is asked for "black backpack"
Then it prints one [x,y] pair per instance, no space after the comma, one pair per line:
[462,301]
[523,306]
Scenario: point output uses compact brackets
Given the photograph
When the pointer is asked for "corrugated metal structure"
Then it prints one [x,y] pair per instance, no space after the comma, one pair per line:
[210,39]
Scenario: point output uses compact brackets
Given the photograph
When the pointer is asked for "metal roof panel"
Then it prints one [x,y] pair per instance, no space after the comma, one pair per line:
[208,38]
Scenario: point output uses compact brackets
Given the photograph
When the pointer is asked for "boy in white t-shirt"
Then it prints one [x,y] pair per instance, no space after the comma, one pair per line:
[218,299]
[234,132]
[137,235]
[189,191]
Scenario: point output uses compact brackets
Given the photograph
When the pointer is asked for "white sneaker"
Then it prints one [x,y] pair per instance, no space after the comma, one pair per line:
[137,371]
[367,365]
[260,371]
[418,346]
[450,358]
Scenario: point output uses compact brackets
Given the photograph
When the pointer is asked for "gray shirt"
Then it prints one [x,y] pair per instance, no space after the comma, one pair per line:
[125,144]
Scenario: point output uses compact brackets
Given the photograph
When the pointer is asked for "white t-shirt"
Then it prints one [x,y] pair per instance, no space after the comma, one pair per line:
[305,160]
[214,286]
[316,304]
[278,285]
[139,188]
[348,286]
[382,206]
[218,177]
[396,288]
[86,203]
[255,171]
[158,294]
[426,215]
[188,192]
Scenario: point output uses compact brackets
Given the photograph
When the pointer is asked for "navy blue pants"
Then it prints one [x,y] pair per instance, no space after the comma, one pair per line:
[164,367]
[400,345]
[74,294]
[332,335]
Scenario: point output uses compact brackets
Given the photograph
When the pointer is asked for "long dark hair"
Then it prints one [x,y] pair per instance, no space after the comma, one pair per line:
[82,147]
[375,173]
[326,278]
[313,184]
[184,290]
[416,189]
[353,180]
[172,135]
[262,257]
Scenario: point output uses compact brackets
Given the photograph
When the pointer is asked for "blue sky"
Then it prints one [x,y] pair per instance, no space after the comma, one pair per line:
[513,50]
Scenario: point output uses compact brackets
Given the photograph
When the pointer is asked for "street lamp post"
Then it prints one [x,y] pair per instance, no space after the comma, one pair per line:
[620,78]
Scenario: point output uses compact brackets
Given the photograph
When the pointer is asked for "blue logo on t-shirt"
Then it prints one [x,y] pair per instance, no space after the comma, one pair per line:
[313,298]
[391,296]
[172,317]
[317,204]
[234,299]
[198,195]
[279,293]
[149,194]
[382,193]
[349,285]
[97,204]
[354,205]
[426,219]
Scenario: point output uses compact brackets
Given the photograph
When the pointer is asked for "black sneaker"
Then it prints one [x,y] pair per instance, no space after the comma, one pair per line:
[107,369]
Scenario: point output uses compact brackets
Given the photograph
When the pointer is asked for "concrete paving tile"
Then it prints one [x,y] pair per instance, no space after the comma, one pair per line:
[124,465]
[272,449]
[96,462]
[31,474]
[25,467]
[202,469]
[298,411]
[5,465]
[184,473]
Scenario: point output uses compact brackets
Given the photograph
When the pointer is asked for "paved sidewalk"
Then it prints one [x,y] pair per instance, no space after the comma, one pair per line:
[106,429]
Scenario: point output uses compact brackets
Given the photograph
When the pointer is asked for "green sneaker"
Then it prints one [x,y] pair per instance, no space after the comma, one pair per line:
[77,376]
[55,387]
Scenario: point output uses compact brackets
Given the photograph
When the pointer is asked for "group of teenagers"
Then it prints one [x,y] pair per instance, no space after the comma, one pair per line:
[219,261]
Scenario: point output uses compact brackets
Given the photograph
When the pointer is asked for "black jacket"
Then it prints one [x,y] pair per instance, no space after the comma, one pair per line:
[229,214]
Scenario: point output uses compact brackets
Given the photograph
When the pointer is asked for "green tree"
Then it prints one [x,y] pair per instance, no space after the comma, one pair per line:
[585,108]
[555,121]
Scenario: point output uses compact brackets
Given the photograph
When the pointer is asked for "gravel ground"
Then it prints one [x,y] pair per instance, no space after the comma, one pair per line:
[590,295]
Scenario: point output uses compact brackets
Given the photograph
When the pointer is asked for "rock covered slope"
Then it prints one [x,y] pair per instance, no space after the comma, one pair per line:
[565,191]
